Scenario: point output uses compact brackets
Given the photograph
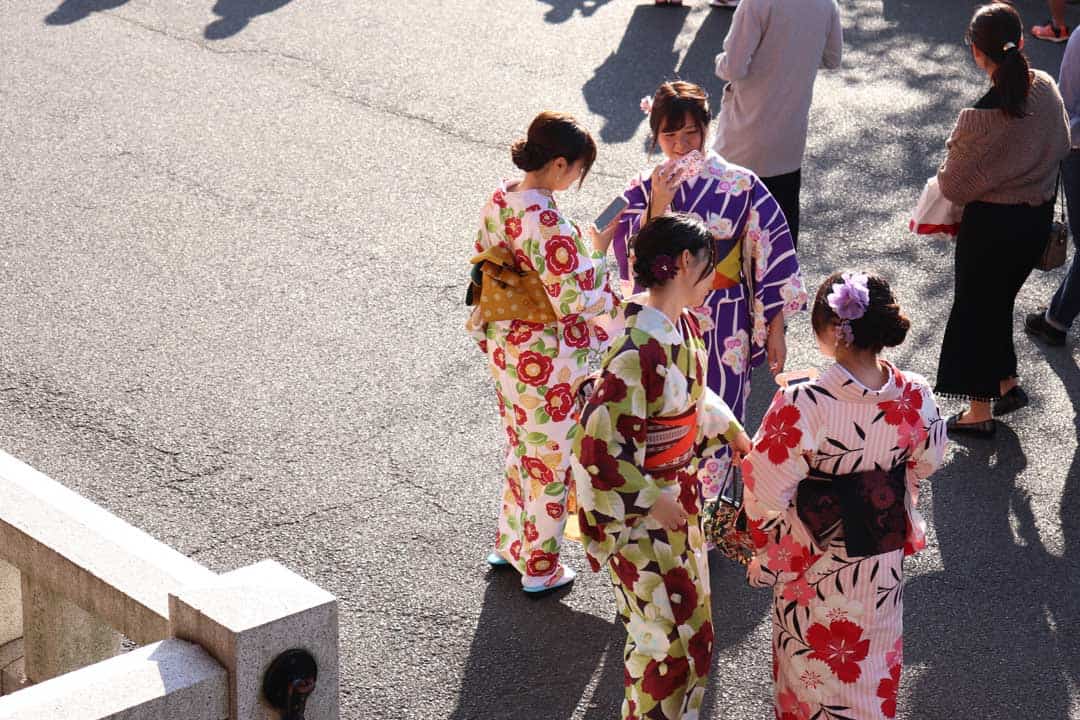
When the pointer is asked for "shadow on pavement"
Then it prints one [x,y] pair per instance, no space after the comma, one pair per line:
[563,10]
[72,11]
[645,57]
[234,16]
[535,657]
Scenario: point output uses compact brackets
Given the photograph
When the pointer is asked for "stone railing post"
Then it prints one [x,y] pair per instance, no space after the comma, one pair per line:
[59,636]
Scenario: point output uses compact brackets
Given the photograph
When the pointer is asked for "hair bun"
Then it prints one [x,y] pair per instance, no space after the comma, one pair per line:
[528,155]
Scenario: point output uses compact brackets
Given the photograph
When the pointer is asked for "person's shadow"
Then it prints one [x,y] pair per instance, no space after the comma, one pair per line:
[534,657]
[980,628]
[234,16]
[563,10]
[72,11]
[645,58]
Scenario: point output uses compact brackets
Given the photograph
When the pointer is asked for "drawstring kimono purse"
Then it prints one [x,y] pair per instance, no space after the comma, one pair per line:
[725,521]
[1054,254]
[503,292]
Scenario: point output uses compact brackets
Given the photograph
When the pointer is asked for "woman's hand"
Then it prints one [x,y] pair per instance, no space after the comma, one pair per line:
[740,446]
[663,190]
[668,512]
[601,239]
[776,345]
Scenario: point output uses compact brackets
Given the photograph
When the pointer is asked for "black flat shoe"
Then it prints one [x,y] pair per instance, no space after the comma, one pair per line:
[983,428]
[1010,401]
[1035,324]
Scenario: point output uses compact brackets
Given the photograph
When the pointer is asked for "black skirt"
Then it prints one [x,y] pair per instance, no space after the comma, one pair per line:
[996,249]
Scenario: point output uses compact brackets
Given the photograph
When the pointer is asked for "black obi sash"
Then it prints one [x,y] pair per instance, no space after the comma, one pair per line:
[869,505]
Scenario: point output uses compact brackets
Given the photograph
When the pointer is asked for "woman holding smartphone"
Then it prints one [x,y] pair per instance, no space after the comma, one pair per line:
[757,282]
[536,365]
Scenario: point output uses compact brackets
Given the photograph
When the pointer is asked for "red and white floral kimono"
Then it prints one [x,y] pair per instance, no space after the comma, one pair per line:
[838,616]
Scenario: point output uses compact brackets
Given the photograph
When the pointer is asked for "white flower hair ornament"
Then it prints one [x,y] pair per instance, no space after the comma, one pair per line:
[646,105]
[849,300]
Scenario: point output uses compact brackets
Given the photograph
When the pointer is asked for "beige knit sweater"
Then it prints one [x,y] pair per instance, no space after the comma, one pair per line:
[994,157]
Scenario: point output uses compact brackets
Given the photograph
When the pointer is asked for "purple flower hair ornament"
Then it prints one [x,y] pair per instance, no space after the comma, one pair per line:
[849,300]
[663,268]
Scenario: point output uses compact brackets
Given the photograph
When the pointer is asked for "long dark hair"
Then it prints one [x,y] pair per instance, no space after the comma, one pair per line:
[554,135]
[996,29]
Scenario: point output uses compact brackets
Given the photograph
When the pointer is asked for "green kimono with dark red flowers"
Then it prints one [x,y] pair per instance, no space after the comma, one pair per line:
[654,373]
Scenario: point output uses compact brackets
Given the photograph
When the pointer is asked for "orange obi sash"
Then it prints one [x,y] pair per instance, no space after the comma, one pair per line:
[669,443]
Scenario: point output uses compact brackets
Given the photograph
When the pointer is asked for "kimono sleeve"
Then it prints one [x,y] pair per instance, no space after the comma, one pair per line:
[613,490]
[637,199]
[717,424]
[926,458]
[576,280]
[778,285]
[771,475]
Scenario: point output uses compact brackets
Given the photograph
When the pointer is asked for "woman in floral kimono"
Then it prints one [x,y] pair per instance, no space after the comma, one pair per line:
[830,494]
[646,427]
[536,365]
[757,282]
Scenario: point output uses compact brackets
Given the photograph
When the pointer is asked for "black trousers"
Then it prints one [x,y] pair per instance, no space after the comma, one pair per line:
[996,249]
[785,188]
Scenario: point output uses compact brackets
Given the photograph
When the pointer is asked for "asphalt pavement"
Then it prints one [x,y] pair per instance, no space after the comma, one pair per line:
[234,238]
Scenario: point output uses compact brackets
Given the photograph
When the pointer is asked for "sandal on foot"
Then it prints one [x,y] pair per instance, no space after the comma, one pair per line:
[983,428]
[494,559]
[1010,401]
[562,576]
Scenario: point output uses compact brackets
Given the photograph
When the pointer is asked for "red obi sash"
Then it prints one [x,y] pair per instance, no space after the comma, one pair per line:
[669,441]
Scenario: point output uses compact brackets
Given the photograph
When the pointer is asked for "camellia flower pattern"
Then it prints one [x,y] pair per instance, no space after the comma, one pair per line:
[757,269]
[536,367]
[655,370]
[837,619]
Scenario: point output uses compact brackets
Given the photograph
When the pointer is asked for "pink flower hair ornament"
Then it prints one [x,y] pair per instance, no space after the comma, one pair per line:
[646,105]
[849,299]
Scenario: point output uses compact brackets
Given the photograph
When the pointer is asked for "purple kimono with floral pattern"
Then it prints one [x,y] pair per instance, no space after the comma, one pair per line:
[757,269]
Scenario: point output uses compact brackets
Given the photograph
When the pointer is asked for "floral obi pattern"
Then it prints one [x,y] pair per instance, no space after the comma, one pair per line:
[670,442]
[868,505]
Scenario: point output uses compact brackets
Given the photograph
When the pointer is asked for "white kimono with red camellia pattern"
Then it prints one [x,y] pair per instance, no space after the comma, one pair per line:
[837,620]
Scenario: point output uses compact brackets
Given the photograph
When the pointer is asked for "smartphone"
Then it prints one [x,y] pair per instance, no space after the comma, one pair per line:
[611,212]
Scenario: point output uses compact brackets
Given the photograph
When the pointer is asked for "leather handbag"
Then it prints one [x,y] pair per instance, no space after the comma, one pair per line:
[504,292]
[1054,254]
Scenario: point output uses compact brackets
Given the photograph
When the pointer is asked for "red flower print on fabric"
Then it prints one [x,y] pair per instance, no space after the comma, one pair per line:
[549,218]
[521,331]
[594,455]
[530,532]
[512,437]
[515,550]
[800,592]
[631,427]
[779,434]
[537,470]
[905,409]
[512,226]
[840,646]
[575,331]
[499,198]
[791,708]
[553,290]
[700,648]
[561,255]
[593,532]
[759,537]
[483,344]
[559,402]
[747,468]
[520,417]
[523,261]
[682,593]
[533,368]
[541,563]
[652,358]
[610,389]
[515,490]
[788,556]
[532,208]
[600,334]
[554,510]
[587,279]
[626,571]
[886,690]
[661,678]
[688,495]
[499,358]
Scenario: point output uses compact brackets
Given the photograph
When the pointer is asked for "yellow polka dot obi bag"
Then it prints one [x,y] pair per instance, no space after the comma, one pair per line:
[504,292]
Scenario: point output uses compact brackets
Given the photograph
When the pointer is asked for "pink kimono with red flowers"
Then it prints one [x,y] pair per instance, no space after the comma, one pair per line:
[536,367]
[838,619]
